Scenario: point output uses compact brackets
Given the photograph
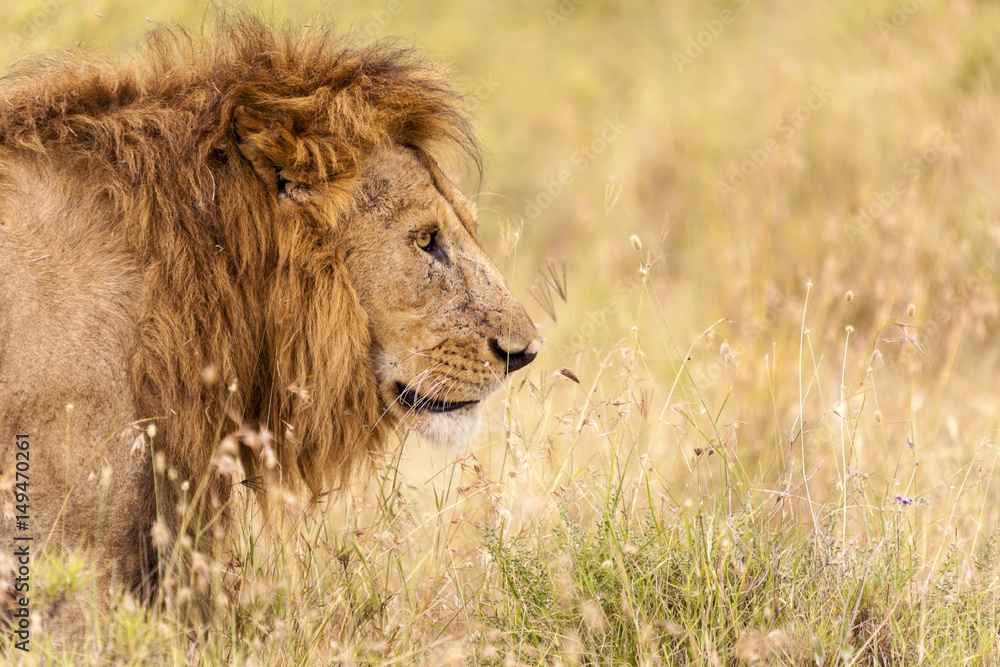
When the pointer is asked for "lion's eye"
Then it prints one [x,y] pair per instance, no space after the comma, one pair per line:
[426,240]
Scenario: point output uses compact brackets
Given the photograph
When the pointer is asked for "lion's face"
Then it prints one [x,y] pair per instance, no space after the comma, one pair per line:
[445,327]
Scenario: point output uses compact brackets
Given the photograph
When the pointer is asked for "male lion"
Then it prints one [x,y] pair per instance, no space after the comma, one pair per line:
[243,230]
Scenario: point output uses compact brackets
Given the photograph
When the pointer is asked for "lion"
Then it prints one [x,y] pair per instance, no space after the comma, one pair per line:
[242,232]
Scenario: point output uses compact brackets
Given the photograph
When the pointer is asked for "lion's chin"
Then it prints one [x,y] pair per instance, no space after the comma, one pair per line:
[450,430]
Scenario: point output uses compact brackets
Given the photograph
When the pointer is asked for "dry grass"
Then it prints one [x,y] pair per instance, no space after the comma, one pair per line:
[767,435]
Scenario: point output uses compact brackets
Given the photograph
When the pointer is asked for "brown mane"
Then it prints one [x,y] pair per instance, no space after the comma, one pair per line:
[266,304]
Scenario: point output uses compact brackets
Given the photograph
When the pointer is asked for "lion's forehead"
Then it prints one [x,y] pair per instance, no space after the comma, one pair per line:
[396,173]
[398,182]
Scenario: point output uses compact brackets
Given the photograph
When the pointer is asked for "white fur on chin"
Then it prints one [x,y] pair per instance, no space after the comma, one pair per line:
[451,430]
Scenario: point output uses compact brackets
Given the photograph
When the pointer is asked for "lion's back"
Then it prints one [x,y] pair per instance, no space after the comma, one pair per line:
[68,304]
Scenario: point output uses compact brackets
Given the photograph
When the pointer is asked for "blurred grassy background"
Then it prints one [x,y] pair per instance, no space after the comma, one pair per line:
[772,157]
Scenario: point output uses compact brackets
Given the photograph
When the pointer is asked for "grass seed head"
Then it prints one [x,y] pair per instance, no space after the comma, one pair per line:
[106,475]
[184,597]
[593,616]
[209,376]
[160,534]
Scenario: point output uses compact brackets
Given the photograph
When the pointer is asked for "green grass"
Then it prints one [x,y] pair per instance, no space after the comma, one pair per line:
[720,487]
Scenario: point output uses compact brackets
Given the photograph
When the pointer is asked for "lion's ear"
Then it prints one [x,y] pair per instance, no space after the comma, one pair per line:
[281,157]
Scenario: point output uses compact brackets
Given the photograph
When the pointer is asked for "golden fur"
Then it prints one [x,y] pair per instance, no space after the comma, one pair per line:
[229,232]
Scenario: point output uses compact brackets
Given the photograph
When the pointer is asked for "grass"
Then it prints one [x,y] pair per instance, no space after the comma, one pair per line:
[766,435]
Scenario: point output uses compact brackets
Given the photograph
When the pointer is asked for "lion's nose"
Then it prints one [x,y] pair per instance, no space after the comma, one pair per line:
[515,360]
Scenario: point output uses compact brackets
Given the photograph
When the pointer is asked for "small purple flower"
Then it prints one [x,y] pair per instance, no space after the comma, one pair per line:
[905,501]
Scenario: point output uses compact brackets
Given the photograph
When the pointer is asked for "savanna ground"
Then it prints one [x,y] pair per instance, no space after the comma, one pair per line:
[775,437]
